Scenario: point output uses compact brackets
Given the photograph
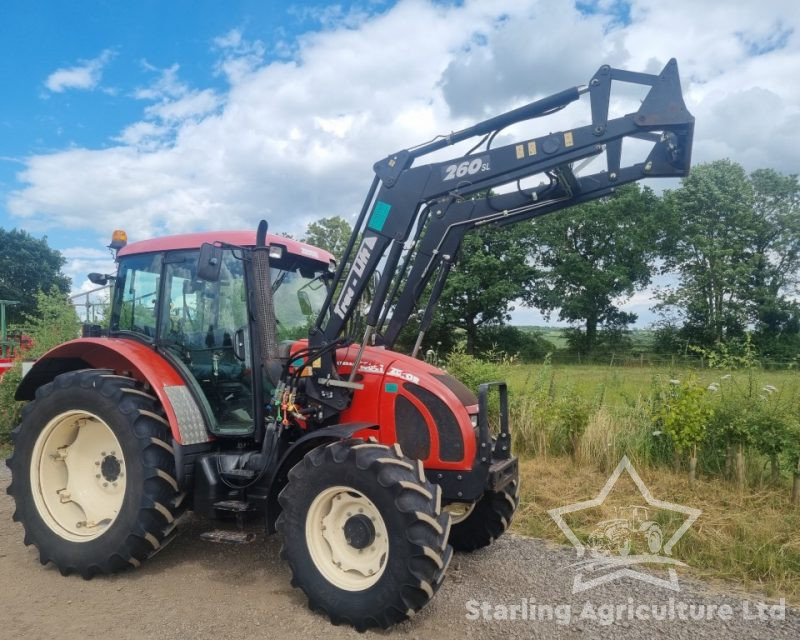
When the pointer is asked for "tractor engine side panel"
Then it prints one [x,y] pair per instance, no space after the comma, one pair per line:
[412,405]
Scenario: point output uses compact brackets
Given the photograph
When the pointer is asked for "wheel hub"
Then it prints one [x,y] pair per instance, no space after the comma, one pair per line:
[359,531]
[77,475]
[347,538]
[110,468]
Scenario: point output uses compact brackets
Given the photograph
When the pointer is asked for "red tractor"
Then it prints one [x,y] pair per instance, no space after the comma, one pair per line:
[246,375]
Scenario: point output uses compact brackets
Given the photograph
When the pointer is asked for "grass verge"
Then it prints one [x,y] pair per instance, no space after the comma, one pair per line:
[752,538]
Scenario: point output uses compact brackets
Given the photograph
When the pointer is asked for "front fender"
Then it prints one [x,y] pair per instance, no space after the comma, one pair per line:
[125,357]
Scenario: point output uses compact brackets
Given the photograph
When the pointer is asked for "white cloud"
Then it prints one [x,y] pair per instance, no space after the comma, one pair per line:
[82,261]
[239,55]
[295,138]
[85,75]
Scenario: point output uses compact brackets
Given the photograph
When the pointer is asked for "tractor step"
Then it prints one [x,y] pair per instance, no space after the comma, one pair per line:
[233,506]
[224,536]
[239,474]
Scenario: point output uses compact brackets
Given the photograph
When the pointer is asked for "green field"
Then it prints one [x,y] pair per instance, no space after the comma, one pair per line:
[641,339]
[623,385]
[746,534]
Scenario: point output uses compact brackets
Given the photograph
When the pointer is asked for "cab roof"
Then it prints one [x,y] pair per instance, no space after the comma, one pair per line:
[240,238]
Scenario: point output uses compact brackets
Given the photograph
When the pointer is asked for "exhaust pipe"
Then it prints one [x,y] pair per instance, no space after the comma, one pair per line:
[266,322]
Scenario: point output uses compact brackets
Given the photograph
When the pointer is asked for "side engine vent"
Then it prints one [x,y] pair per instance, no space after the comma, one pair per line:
[411,429]
[451,446]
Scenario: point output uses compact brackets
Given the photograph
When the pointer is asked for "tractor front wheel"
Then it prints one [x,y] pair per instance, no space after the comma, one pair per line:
[363,533]
[93,474]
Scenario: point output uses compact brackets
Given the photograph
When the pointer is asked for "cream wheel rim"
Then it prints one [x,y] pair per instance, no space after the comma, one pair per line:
[459,511]
[78,476]
[347,538]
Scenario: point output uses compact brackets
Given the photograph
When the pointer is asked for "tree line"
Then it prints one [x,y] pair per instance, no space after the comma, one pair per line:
[727,242]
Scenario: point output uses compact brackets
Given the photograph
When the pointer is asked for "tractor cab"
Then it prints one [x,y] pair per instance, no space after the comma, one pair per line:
[204,327]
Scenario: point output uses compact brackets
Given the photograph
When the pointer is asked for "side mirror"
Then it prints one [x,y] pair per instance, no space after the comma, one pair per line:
[100,279]
[209,262]
[305,303]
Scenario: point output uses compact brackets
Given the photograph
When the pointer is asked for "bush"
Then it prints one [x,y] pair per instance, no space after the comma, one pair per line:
[571,414]
[55,322]
[682,411]
[470,370]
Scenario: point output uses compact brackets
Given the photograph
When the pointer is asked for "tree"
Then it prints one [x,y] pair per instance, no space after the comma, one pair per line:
[28,266]
[330,234]
[588,256]
[711,231]
[735,245]
[775,261]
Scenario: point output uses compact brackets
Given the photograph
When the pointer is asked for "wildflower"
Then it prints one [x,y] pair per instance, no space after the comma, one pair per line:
[713,387]
[674,381]
[658,433]
[769,388]
[726,376]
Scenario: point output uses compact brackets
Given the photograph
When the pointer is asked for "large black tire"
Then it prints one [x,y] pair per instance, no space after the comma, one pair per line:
[409,511]
[151,501]
[488,520]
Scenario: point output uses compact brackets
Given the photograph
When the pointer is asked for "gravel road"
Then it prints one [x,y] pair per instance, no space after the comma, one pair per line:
[195,589]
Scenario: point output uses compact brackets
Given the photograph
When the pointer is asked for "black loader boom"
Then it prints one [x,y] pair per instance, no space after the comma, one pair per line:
[419,213]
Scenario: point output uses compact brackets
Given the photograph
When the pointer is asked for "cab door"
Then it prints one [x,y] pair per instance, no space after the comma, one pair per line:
[205,325]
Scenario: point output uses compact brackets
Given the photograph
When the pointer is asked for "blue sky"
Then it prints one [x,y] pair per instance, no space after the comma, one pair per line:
[166,117]
[130,42]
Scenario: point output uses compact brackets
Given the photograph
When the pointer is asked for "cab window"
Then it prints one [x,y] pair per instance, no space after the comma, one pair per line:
[136,294]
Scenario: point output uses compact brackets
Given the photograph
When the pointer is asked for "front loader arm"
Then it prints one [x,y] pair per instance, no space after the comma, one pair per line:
[450,223]
[429,204]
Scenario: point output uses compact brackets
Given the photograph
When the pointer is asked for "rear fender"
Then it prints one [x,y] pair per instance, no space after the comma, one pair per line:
[131,358]
[298,450]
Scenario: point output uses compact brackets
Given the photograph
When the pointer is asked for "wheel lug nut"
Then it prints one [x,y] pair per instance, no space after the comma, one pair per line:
[349,514]
[105,484]
[97,476]
[97,463]
[360,510]
[102,453]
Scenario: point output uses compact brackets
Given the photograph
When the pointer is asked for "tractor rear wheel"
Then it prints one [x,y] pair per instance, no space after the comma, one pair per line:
[93,473]
[363,533]
[477,525]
